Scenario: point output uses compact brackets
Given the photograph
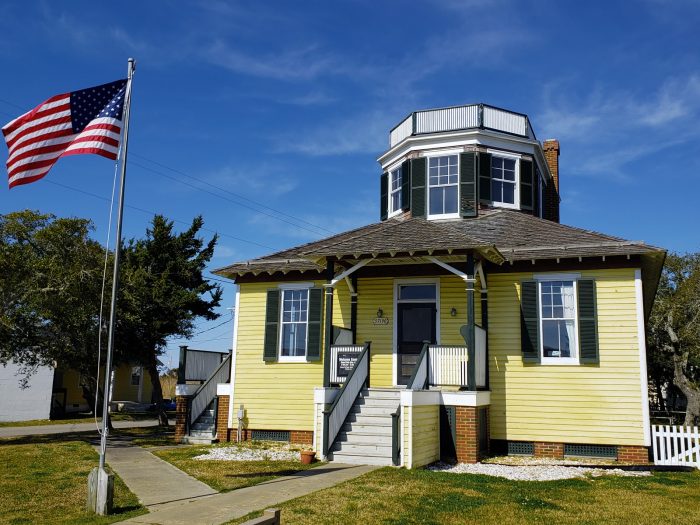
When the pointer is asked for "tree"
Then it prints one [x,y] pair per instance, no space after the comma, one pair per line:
[674,330]
[163,293]
[50,294]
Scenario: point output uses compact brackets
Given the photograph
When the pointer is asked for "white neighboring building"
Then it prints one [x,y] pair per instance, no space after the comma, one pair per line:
[33,402]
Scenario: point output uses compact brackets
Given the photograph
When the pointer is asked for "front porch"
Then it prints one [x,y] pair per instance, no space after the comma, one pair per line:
[435,416]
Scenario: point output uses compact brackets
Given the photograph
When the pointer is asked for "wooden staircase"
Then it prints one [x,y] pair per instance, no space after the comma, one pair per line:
[365,438]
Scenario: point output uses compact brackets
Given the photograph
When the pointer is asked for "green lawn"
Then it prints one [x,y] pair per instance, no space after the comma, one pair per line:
[47,483]
[397,497]
[229,475]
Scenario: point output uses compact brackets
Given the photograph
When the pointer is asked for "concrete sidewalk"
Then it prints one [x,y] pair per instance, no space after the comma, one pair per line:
[39,430]
[221,508]
[154,481]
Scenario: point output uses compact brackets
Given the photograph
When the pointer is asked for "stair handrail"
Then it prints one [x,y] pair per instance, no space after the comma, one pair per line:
[335,416]
[206,392]
[419,378]
[396,436]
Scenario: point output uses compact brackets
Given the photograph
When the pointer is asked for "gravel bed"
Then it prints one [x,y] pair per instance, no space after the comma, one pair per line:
[533,472]
[531,460]
[235,453]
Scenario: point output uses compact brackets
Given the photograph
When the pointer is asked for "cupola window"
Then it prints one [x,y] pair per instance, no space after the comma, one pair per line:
[504,181]
[395,193]
[443,181]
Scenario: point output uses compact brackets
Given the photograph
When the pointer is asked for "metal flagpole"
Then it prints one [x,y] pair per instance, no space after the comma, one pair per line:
[104,487]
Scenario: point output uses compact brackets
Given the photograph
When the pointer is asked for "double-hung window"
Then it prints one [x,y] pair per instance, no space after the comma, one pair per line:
[558,319]
[558,323]
[504,181]
[294,313]
[443,182]
[395,184]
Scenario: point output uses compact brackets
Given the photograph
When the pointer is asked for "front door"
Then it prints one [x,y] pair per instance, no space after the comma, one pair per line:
[416,324]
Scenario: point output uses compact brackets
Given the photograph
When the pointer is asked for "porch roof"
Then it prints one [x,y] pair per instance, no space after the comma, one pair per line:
[496,235]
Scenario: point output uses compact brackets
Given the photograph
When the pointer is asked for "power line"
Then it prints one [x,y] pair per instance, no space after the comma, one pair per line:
[227,199]
[316,227]
[213,327]
[84,192]
[237,195]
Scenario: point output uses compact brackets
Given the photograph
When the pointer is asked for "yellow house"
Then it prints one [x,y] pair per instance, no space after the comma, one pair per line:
[467,321]
[130,385]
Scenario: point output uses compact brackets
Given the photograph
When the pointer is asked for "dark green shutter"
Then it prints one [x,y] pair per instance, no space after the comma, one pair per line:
[313,350]
[587,331]
[536,192]
[484,176]
[467,185]
[406,185]
[526,184]
[529,321]
[418,187]
[272,319]
[383,196]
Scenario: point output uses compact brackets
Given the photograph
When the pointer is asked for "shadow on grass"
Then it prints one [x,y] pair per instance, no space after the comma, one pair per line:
[251,475]
[118,438]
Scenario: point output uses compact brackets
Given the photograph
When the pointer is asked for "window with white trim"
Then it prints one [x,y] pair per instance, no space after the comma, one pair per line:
[504,181]
[443,186]
[395,197]
[558,319]
[294,313]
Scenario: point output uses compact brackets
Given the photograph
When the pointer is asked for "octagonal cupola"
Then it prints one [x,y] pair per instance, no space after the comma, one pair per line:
[451,163]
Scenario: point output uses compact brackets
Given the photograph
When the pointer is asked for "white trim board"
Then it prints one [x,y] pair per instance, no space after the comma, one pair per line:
[234,345]
[641,336]
[411,398]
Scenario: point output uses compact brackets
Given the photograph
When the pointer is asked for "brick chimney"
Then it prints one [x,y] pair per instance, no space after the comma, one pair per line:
[551,198]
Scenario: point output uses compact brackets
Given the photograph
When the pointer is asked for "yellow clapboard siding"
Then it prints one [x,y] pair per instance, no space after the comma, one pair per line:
[276,396]
[374,294]
[425,435]
[581,404]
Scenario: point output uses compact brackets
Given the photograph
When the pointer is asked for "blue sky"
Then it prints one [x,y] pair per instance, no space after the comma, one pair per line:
[267,117]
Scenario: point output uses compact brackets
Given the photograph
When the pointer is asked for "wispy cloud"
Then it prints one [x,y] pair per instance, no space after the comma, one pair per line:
[361,132]
[301,63]
[614,110]
[264,179]
[613,128]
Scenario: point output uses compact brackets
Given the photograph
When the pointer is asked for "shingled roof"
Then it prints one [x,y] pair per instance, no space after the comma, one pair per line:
[497,235]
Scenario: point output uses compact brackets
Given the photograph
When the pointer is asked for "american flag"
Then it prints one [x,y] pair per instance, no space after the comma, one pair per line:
[85,121]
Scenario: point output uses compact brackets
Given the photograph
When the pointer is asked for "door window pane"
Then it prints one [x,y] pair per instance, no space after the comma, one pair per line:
[417,292]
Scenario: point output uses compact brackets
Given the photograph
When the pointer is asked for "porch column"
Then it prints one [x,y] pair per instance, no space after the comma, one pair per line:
[471,336]
[353,309]
[485,318]
[328,326]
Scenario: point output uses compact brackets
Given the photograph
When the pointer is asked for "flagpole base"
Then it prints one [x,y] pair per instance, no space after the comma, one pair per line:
[100,498]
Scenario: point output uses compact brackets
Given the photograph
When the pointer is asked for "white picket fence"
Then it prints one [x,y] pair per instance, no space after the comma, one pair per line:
[676,445]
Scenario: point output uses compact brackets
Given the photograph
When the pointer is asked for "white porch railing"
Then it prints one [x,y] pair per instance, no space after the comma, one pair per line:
[335,350]
[448,365]
[461,118]
[334,418]
[676,445]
